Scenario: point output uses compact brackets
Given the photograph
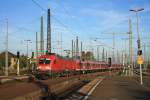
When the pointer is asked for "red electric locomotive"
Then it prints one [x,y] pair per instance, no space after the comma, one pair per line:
[56,63]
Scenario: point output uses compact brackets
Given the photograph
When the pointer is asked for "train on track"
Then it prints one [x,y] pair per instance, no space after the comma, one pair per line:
[53,64]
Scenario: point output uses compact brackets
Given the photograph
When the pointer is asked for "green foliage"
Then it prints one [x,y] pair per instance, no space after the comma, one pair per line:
[23,61]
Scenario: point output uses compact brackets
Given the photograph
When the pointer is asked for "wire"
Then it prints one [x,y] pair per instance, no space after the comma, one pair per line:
[65,10]
[43,9]
[38,5]
[66,27]
[18,28]
[67,13]
[2,20]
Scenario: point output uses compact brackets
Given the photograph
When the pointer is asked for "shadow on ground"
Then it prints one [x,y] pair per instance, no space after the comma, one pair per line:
[46,92]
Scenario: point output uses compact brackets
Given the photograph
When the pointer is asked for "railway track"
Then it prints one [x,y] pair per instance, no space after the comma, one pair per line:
[35,89]
[43,88]
[83,92]
[143,73]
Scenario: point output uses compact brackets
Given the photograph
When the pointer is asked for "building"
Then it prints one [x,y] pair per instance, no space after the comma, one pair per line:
[12,60]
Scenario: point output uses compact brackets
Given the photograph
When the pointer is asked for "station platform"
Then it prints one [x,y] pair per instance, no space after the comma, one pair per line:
[7,79]
[120,88]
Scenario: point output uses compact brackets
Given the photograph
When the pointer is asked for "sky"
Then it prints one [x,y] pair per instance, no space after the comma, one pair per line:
[87,19]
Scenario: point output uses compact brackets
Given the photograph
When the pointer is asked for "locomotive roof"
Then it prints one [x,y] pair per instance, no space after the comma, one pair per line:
[57,56]
[77,59]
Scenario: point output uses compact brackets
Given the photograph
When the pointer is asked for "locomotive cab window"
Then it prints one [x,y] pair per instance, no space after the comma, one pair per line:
[41,61]
[44,61]
[47,61]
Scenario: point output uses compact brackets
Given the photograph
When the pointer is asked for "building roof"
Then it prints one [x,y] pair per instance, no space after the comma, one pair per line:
[2,54]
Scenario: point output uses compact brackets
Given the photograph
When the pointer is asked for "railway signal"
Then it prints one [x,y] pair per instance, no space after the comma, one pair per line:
[18,54]
[138,43]
[18,69]
[109,61]
[139,52]
[32,55]
[139,58]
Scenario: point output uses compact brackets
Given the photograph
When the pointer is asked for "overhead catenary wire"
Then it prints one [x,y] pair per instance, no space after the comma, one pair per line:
[73,33]
[38,5]
[23,29]
[65,26]
[20,28]
[27,29]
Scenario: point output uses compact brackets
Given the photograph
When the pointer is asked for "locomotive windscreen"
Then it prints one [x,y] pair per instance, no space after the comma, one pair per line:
[44,61]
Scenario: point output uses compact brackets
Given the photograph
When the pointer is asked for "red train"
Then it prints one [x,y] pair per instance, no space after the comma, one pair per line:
[56,64]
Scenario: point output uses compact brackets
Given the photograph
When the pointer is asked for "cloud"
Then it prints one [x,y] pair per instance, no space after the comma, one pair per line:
[106,18]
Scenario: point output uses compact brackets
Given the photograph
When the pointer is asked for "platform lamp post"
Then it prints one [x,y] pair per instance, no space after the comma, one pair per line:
[18,67]
[28,41]
[139,60]
[6,51]
[98,56]
[104,45]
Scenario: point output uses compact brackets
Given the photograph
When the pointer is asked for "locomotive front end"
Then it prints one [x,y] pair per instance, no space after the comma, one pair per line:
[44,64]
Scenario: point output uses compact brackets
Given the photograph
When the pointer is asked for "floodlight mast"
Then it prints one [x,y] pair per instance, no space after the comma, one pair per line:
[139,38]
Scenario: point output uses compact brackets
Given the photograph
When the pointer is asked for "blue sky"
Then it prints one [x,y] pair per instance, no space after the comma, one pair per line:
[87,19]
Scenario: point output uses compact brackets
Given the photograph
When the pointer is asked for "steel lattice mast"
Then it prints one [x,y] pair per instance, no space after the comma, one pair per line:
[48,32]
[42,37]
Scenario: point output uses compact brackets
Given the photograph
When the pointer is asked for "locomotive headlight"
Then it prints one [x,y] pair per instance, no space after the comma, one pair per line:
[47,67]
[39,67]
